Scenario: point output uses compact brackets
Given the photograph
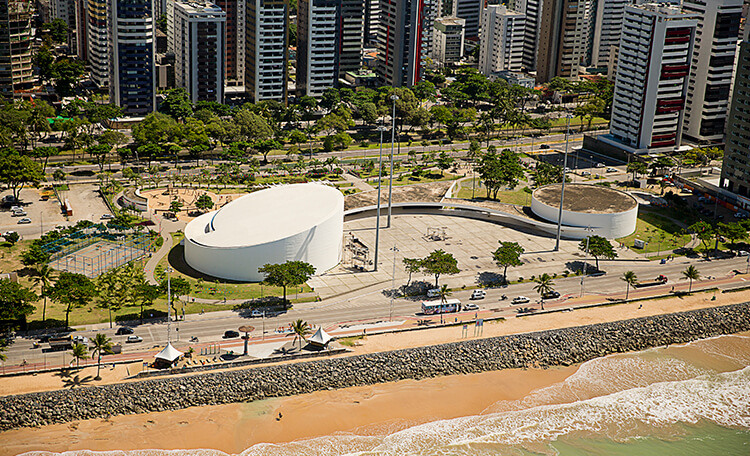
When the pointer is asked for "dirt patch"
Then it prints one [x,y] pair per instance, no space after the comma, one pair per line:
[432,192]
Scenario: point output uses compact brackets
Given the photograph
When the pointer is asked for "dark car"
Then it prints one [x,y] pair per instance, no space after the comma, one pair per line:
[551,295]
[124,330]
[231,334]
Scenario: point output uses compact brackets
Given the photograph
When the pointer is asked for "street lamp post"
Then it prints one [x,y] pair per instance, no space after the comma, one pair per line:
[381,129]
[169,302]
[562,190]
[393,140]
[393,283]
[585,260]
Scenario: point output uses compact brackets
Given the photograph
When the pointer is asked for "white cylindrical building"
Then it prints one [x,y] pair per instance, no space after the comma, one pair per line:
[300,222]
[609,213]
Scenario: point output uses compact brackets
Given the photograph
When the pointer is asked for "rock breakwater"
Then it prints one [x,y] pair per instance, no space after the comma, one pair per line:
[560,347]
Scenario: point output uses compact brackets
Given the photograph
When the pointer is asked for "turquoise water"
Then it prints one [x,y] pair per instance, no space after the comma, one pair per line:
[682,400]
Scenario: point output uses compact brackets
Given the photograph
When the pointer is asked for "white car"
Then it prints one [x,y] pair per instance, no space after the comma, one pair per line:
[134,339]
[24,221]
[256,313]
[107,217]
[600,165]
[471,306]
[743,253]
[478,294]
[585,173]
[520,300]
[19,213]
[433,293]
[611,170]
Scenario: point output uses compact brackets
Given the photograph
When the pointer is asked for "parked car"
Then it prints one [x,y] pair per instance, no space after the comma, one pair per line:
[743,253]
[433,293]
[585,173]
[544,146]
[256,313]
[134,339]
[471,306]
[551,295]
[19,213]
[107,216]
[231,334]
[24,221]
[520,300]
[600,165]
[478,294]
[611,170]
[123,330]
[81,340]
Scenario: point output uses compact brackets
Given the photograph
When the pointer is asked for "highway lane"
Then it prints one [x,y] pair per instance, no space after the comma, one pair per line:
[375,306]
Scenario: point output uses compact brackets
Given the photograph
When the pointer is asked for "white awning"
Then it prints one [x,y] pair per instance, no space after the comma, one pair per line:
[169,353]
[320,337]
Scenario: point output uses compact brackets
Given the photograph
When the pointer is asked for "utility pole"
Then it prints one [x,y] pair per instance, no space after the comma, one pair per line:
[169,303]
[393,283]
[393,140]
[562,190]
[586,258]
[381,129]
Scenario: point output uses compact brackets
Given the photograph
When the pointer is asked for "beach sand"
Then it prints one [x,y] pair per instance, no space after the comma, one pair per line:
[432,336]
[371,410]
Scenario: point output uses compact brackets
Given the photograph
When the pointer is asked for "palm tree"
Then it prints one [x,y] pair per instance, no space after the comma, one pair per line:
[631,280]
[43,278]
[79,352]
[691,273]
[544,286]
[301,329]
[101,343]
[444,293]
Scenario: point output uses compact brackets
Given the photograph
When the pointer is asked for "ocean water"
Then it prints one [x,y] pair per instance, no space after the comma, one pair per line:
[684,400]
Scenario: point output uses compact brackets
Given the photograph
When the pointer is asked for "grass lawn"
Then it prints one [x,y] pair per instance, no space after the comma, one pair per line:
[517,197]
[661,234]
[577,122]
[408,179]
[207,288]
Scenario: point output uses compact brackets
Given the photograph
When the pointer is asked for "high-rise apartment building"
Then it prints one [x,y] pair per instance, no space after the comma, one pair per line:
[15,46]
[132,77]
[735,170]
[98,41]
[563,39]
[532,10]
[502,40]
[448,40]
[66,11]
[200,31]
[235,43]
[82,38]
[405,40]
[606,30]
[329,43]
[371,19]
[712,67]
[656,49]
[471,12]
[266,50]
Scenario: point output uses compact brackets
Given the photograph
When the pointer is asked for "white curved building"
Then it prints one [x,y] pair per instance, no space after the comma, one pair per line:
[609,213]
[302,222]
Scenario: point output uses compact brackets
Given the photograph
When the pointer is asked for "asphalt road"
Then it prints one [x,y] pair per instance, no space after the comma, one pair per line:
[374,306]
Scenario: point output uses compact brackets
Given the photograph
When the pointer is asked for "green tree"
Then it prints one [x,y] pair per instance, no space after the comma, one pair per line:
[204,202]
[508,254]
[100,344]
[637,167]
[412,265]
[18,170]
[444,162]
[34,256]
[703,231]
[252,127]
[300,329]
[265,146]
[691,273]
[439,262]
[58,30]
[544,286]
[66,73]
[175,206]
[79,352]
[547,173]
[43,276]
[177,104]
[146,294]
[73,291]
[15,301]
[291,273]
[296,137]
[732,231]
[631,280]
[599,247]
[99,153]
[111,286]
[497,171]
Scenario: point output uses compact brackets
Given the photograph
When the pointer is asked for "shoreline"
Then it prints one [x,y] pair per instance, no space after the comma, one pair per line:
[363,410]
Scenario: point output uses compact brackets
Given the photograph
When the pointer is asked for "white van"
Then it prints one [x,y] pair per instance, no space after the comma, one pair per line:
[433,293]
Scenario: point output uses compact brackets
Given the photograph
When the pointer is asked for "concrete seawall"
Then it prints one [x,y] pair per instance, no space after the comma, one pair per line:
[561,347]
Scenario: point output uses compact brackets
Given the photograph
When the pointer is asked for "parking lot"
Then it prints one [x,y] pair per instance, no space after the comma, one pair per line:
[584,163]
[46,215]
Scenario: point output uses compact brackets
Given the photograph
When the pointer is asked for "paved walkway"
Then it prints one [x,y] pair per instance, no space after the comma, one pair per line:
[359,184]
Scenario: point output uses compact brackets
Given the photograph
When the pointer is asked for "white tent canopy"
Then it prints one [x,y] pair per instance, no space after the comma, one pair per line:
[169,354]
[320,338]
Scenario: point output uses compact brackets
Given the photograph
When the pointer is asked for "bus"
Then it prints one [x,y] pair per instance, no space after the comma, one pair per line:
[438,306]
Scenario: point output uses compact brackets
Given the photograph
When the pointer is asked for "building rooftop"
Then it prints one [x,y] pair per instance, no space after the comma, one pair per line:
[591,199]
[199,6]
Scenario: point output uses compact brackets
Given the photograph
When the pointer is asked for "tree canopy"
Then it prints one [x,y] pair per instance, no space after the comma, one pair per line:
[508,254]
[72,290]
[287,274]
[498,171]
[439,262]
[598,247]
[18,170]
[15,300]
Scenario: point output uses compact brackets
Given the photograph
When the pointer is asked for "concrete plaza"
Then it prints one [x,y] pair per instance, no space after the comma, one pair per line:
[470,241]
